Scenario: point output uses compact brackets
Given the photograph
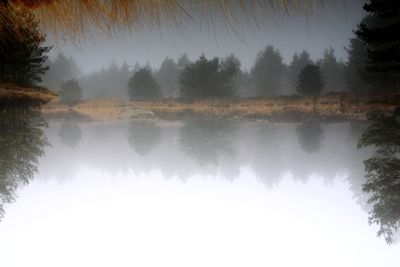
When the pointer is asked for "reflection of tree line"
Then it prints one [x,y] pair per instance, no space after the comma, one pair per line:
[310,136]
[217,144]
[208,142]
[220,144]
[22,142]
[383,173]
[143,136]
[225,146]
[219,147]
[70,134]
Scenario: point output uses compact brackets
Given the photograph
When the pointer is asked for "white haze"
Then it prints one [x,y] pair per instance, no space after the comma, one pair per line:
[98,219]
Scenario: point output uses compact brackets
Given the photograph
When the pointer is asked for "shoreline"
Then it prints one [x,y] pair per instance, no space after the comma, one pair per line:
[13,95]
[334,107]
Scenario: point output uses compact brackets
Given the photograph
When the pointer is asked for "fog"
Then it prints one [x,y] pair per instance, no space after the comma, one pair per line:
[219,137]
[321,27]
[147,193]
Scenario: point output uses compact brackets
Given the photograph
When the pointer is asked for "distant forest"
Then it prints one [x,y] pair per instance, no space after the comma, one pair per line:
[372,65]
[269,76]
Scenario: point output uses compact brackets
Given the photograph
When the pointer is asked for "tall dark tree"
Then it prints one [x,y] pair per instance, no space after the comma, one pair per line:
[183,62]
[61,69]
[379,33]
[208,78]
[310,80]
[355,71]
[143,86]
[70,93]
[383,173]
[230,72]
[22,50]
[267,72]
[333,71]
[167,77]
[299,61]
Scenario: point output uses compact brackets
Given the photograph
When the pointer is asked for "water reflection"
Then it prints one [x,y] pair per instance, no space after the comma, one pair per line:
[22,142]
[264,148]
[383,173]
[274,153]
[143,136]
[207,147]
[70,134]
[208,142]
[310,136]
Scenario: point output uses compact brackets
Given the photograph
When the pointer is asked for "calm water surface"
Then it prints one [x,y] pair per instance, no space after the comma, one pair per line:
[186,193]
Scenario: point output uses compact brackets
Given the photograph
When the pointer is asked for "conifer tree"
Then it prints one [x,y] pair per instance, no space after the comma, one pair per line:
[379,33]
[22,53]
[143,86]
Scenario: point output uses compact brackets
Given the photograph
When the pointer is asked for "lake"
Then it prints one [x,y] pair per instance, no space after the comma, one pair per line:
[198,192]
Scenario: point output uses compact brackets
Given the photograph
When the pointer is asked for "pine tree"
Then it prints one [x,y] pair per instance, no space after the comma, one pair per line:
[299,61]
[209,78]
[183,62]
[167,77]
[355,73]
[310,81]
[379,33]
[61,69]
[267,72]
[143,86]
[70,93]
[333,71]
[22,53]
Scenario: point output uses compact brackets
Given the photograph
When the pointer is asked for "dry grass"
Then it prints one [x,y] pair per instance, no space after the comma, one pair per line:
[335,107]
[74,17]
[13,94]
[279,108]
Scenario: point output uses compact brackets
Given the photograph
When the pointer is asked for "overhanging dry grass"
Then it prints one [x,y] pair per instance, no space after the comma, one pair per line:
[74,17]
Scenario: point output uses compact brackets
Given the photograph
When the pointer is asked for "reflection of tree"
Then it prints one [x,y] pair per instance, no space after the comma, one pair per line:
[207,141]
[70,134]
[310,136]
[383,173]
[266,153]
[143,136]
[22,142]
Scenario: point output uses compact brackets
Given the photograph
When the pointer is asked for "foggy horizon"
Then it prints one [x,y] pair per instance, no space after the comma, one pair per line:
[327,26]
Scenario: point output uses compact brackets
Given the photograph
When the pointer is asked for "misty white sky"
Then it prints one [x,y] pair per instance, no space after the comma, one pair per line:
[331,25]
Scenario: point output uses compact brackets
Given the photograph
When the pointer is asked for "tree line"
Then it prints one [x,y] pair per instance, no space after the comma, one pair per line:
[372,65]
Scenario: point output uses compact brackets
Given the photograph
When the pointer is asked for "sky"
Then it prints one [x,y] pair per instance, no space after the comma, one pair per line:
[328,25]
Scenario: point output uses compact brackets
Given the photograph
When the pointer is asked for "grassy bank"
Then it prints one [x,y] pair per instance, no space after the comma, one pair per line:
[289,108]
[15,95]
